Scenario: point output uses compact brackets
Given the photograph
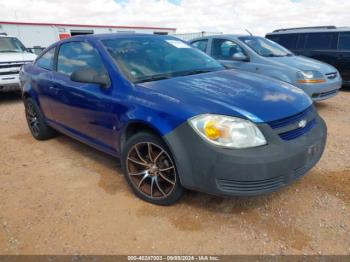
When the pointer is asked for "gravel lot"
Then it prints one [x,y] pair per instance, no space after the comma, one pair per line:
[62,197]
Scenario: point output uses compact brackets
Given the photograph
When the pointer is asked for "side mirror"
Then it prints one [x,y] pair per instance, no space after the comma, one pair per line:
[88,75]
[240,57]
[227,66]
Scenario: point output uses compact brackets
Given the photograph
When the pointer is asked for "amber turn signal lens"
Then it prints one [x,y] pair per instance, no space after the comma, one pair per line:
[311,81]
[211,130]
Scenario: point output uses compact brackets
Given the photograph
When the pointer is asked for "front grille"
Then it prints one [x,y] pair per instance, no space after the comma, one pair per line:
[17,65]
[11,68]
[250,186]
[290,128]
[320,95]
[332,75]
[293,134]
[9,73]
[269,184]
[13,64]
[290,120]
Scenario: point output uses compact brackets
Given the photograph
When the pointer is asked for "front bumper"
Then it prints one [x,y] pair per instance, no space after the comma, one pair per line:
[322,91]
[9,83]
[244,172]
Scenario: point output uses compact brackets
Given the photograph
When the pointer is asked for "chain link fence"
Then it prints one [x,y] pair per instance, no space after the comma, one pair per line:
[189,36]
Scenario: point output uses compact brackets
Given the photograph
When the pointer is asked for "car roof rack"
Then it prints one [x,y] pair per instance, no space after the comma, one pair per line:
[309,27]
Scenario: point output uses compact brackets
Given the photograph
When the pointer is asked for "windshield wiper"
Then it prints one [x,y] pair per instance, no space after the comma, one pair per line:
[196,72]
[170,75]
[153,78]
[273,55]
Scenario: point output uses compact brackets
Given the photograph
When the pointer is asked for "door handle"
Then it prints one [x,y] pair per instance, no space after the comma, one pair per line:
[54,89]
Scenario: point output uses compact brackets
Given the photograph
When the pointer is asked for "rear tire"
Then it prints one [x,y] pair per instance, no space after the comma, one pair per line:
[36,121]
[150,170]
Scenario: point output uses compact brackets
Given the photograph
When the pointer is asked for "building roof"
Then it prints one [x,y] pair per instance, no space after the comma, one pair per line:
[83,25]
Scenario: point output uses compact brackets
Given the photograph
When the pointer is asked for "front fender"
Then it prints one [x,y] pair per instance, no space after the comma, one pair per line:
[277,74]
[157,120]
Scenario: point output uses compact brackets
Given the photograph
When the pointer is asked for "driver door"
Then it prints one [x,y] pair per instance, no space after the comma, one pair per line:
[230,54]
[82,109]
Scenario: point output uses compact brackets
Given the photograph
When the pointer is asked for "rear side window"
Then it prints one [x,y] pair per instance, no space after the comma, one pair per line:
[76,56]
[289,41]
[320,41]
[344,41]
[301,41]
[201,44]
[46,61]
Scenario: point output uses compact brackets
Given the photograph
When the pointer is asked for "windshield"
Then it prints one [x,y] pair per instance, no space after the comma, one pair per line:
[144,58]
[265,47]
[11,44]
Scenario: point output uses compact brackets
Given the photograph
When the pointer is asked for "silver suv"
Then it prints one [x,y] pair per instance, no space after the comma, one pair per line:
[13,55]
[260,55]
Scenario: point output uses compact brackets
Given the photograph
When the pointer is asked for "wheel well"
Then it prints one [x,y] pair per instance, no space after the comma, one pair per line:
[25,96]
[138,127]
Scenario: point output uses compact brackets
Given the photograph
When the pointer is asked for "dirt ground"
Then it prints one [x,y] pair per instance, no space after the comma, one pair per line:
[63,197]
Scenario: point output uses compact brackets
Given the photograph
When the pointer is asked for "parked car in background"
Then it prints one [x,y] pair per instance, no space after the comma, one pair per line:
[13,55]
[173,115]
[329,44]
[260,55]
[36,50]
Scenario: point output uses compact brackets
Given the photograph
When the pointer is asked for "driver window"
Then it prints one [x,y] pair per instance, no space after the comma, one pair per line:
[226,49]
[74,56]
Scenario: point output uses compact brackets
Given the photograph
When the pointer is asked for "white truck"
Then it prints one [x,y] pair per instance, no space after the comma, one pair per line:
[13,55]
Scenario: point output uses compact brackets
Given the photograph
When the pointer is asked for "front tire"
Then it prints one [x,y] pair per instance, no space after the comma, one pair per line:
[150,170]
[36,121]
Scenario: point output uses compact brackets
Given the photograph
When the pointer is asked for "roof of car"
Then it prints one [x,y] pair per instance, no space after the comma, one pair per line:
[111,35]
[316,29]
[5,35]
[233,36]
[102,37]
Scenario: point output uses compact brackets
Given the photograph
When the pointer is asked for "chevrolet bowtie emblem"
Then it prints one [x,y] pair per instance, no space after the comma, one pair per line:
[302,123]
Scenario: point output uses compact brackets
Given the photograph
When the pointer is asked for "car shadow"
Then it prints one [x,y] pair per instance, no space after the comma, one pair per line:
[195,211]
[229,205]
[106,166]
[112,181]
[321,106]
[10,97]
[345,88]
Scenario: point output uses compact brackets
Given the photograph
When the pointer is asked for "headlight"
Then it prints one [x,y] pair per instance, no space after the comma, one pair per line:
[310,77]
[225,131]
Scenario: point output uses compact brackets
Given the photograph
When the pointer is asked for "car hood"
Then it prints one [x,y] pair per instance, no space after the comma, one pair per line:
[16,57]
[304,63]
[231,92]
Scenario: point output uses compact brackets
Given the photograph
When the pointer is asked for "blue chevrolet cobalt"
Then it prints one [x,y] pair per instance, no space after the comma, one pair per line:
[174,116]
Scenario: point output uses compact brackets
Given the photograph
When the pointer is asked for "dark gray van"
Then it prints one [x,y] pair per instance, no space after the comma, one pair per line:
[329,44]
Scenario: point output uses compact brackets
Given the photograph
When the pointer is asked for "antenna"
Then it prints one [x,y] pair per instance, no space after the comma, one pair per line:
[248,32]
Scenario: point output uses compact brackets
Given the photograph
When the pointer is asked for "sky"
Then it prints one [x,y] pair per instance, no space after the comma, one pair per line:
[227,16]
